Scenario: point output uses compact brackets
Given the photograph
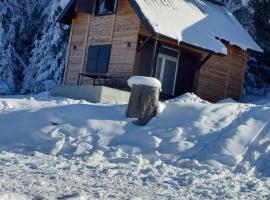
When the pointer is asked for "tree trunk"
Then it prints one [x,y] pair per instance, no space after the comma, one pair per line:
[143,103]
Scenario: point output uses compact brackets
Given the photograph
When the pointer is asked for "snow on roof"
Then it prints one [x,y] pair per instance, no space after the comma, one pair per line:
[196,22]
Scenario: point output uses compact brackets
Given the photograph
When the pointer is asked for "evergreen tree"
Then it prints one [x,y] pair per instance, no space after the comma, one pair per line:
[12,26]
[261,20]
[46,64]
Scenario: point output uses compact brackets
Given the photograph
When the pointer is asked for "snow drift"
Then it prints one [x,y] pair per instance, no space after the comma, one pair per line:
[226,134]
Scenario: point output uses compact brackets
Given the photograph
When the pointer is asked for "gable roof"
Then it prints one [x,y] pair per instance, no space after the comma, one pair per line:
[195,22]
[199,23]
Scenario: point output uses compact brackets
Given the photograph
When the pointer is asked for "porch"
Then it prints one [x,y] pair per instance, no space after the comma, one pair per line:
[176,67]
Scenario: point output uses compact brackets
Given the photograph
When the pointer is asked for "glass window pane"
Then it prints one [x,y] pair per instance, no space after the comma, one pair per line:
[158,70]
[169,77]
[106,6]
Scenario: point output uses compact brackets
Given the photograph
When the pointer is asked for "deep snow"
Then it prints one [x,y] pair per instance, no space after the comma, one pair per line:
[61,148]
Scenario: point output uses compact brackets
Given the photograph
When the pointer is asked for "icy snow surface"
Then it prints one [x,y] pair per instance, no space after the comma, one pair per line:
[56,148]
[196,22]
[143,80]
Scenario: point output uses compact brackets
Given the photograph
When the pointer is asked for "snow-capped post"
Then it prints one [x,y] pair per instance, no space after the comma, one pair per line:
[144,99]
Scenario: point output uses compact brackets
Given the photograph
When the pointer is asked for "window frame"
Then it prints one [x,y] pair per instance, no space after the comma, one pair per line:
[97,59]
[106,13]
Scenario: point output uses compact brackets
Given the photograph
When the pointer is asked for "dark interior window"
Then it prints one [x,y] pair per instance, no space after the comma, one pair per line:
[106,7]
[98,58]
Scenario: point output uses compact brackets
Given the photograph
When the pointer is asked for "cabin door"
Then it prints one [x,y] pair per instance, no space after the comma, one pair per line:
[166,72]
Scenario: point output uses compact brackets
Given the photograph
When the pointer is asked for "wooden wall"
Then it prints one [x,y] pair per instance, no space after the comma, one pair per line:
[120,30]
[124,40]
[76,50]
[237,72]
[223,77]
[212,79]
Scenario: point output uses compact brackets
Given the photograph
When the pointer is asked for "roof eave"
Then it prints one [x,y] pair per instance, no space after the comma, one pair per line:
[140,14]
[152,30]
[257,49]
[68,9]
[193,46]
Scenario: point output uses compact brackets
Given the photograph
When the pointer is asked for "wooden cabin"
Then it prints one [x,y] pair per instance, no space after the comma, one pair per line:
[190,46]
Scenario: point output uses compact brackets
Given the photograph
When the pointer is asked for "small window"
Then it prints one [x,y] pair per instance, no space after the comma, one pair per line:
[105,7]
[98,59]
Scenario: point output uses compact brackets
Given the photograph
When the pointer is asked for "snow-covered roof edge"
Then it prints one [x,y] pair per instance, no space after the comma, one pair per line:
[65,10]
[149,26]
[257,48]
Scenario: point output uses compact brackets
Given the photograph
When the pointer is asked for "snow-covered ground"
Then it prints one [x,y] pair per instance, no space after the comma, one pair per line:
[56,148]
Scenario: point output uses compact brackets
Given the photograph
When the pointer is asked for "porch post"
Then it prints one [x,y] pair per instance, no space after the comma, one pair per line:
[154,57]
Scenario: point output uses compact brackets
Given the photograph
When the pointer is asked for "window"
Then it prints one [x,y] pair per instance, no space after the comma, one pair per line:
[98,59]
[106,7]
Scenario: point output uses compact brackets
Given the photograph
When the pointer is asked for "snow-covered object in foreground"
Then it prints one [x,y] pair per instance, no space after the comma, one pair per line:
[227,132]
[102,155]
[143,80]
[196,22]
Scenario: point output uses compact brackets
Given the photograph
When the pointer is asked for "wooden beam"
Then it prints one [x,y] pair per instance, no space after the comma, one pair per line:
[85,47]
[154,56]
[68,52]
[229,67]
[145,42]
[204,61]
[197,72]
[243,75]
[113,29]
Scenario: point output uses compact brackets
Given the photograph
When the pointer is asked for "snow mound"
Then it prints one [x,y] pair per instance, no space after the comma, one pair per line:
[188,98]
[143,80]
[226,134]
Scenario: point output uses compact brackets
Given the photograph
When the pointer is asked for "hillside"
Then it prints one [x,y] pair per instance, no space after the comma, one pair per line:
[33,61]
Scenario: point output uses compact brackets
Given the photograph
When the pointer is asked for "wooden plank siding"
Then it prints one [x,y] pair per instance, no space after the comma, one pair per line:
[213,78]
[120,30]
[77,48]
[124,41]
[223,77]
[237,75]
